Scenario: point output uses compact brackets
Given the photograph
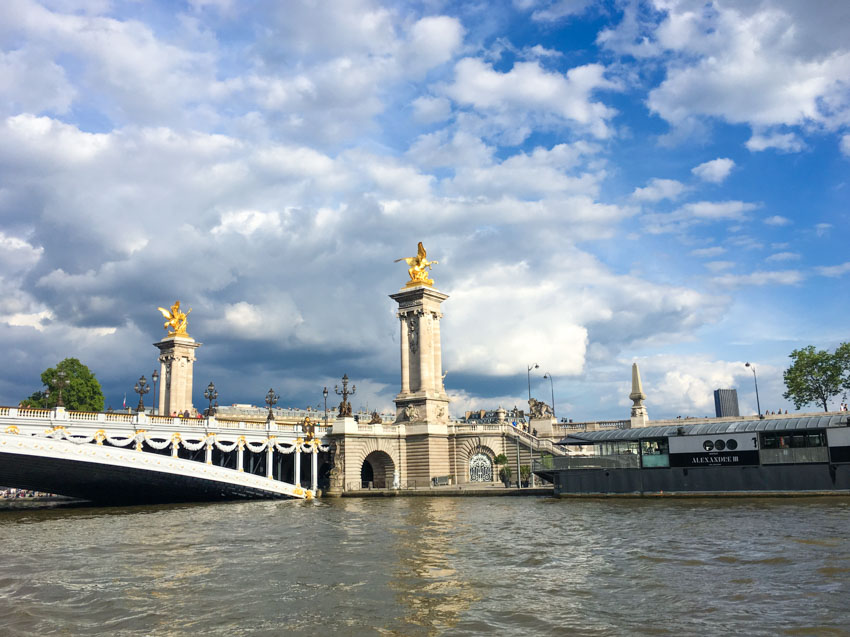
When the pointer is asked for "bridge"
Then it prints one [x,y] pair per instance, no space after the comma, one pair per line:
[137,458]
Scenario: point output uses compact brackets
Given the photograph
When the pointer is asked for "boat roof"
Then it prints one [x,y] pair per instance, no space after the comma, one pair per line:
[726,427]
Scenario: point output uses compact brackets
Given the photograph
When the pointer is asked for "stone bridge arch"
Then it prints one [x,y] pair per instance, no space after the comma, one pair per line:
[476,461]
[378,463]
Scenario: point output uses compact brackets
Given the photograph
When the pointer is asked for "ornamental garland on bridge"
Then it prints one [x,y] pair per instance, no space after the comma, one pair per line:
[176,440]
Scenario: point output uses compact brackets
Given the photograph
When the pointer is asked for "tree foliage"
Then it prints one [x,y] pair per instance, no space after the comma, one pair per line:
[82,393]
[815,375]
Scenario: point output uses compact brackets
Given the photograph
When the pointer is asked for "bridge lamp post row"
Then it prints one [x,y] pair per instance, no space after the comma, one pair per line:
[271,401]
[61,381]
[155,379]
[141,388]
[211,393]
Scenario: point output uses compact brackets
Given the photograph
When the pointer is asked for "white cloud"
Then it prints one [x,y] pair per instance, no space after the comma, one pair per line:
[429,110]
[793,63]
[777,220]
[708,252]
[783,256]
[659,189]
[834,270]
[432,41]
[714,171]
[822,229]
[697,212]
[845,145]
[713,210]
[786,142]
[553,10]
[529,90]
[247,222]
[31,82]
[784,277]
[719,266]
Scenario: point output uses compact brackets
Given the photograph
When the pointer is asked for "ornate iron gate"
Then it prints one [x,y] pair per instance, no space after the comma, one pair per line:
[480,468]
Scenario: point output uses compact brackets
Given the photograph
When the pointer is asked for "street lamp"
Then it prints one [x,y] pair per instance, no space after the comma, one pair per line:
[210,394]
[755,380]
[155,379]
[530,367]
[271,401]
[552,387]
[325,396]
[60,382]
[141,388]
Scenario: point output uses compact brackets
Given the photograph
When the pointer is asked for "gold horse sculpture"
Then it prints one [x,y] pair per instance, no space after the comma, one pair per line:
[175,319]
[419,266]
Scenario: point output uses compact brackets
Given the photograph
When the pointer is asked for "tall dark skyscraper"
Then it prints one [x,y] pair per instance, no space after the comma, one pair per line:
[726,403]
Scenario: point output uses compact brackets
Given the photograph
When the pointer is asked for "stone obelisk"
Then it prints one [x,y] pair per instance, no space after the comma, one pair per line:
[176,361]
[640,417]
[422,405]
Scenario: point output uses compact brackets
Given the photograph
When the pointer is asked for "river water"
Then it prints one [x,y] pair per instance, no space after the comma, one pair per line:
[430,566]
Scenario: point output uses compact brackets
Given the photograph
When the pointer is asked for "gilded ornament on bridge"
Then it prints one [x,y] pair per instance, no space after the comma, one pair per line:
[175,319]
[419,266]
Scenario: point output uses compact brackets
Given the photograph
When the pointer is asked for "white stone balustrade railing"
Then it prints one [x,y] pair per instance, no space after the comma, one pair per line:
[121,421]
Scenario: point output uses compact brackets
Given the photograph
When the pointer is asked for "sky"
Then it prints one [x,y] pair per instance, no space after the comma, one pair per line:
[602,183]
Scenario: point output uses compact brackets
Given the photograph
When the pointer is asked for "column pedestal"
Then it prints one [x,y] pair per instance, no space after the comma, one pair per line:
[176,358]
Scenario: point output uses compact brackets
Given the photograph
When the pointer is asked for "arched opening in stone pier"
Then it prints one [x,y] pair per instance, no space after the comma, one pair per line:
[377,470]
[481,468]
[324,479]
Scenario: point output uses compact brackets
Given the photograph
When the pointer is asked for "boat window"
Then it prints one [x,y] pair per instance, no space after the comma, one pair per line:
[616,448]
[708,445]
[719,445]
[731,444]
[654,447]
[792,439]
[816,440]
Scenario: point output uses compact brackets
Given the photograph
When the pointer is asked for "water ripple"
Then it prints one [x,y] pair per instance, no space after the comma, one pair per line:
[441,566]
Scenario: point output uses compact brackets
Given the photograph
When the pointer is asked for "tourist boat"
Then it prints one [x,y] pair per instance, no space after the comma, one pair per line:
[765,456]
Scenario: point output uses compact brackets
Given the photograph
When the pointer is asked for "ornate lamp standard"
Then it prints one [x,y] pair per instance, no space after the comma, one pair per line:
[141,388]
[325,395]
[210,394]
[271,401]
[345,406]
[552,387]
[530,367]
[755,380]
[61,381]
[155,379]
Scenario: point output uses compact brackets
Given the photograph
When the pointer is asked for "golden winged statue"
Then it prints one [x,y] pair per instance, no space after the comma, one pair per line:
[418,270]
[175,319]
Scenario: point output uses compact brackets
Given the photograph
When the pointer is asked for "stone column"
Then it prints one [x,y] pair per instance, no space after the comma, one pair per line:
[421,356]
[405,356]
[438,352]
[208,454]
[426,353]
[240,455]
[163,375]
[297,455]
[269,459]
[177,358]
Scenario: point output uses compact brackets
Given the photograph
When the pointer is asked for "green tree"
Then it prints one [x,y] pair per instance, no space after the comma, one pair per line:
[505,471]
[815,375]
[81,393]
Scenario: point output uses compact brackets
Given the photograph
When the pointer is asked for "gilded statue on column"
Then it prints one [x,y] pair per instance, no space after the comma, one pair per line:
[175,321]
[419,266]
